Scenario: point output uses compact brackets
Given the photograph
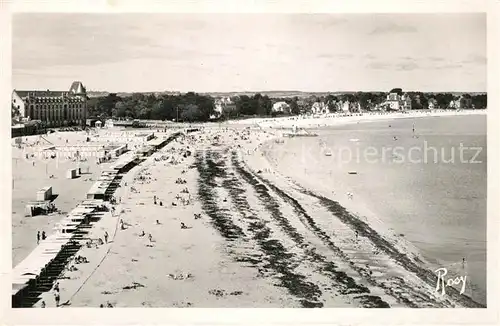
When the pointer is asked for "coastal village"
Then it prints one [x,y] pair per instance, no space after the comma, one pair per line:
[190,214]
[37,109]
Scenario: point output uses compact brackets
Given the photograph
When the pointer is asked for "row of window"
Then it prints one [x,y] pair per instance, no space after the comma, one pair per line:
[60,106]
[57,115]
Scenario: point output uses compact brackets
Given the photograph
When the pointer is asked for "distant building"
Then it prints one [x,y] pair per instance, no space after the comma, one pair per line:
[319,108]
[344,106]
[223,105]
[462,103]
[281,107]
[393,101]
[406,102]
[398,102]
[55,108]
[432,104]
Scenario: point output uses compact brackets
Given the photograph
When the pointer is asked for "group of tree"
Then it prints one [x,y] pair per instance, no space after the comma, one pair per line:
[253,105]
[185,107]
[195,107]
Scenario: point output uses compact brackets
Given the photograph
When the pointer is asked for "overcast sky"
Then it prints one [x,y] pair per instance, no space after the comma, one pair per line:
[250,52]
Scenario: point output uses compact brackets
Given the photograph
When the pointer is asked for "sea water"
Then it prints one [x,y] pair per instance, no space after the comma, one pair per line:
[425,178]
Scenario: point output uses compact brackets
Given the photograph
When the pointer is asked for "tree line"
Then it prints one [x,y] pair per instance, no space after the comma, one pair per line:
[196,107]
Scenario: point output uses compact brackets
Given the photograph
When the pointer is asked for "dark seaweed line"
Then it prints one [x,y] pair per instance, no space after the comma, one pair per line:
[346,283]
[365,230]
[277,258]
[220,219]
[311,225]
[309,222]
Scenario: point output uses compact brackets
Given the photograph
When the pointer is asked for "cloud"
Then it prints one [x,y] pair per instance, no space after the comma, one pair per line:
[341,56]
[68,39]
[448,66]
[477,59]
[407,66]
[324,21]
[436,59]
[378,65]
[392,29]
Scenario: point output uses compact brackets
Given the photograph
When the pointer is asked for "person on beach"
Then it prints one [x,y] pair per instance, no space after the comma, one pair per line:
[57,297]
[142,234]
[43,235]
[106,236]
[56,287]
[150,237]
[158,222]
[38,237]
[183,226]
[43,304]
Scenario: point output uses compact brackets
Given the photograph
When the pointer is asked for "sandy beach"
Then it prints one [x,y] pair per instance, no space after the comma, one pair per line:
[227,229]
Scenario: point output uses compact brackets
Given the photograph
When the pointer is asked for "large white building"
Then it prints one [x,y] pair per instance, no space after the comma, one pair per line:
[55,108]
[319,108]
[461,103]
[398,102]
[223,105]
[282,107]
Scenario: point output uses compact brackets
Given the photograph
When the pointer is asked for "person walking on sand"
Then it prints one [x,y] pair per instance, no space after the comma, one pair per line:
[38,237]
[43,235]
[150,237]
[57,298]
[106,236]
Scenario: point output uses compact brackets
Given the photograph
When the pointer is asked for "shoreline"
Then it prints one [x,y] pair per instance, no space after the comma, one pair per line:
[331,120]
[260,241]
[356,207]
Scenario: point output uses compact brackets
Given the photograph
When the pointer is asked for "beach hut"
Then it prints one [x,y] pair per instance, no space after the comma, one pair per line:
[44,194]
[30,210]
[71,173]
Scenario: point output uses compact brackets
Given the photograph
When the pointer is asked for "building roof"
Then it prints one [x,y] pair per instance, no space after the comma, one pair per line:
[279,104]
[47,93]
[77,88]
